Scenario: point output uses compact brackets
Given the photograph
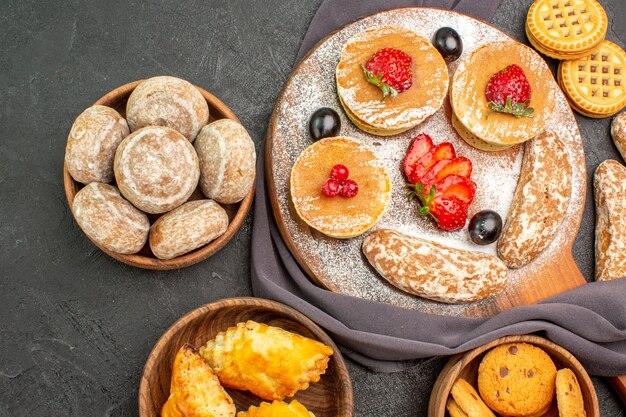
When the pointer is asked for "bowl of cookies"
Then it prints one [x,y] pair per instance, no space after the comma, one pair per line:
[518,376]
[246,357]
[159,173]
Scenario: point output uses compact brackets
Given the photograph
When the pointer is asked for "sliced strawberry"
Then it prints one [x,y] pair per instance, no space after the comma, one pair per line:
[456,186]
[443,151]
[421,145]
[428,178]
[458,166]
[449,211]
[441,181]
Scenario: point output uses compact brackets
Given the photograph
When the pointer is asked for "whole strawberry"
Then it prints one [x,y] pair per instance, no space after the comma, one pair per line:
[508,91]
[390,70]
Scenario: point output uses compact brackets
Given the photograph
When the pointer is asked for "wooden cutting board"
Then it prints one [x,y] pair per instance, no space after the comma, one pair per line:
[339,265]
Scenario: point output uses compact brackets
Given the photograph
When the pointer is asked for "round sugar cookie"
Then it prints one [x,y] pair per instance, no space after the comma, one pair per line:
[566,27]
[92,142]
[110,220]
[362,100]
[468,400]
[338,216]
[227,161]
[167,101]
[556,54]
[188,227]
[517,379]
[596,84]
[156,169]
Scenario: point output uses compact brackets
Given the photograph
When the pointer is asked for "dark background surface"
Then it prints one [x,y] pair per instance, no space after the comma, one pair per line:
[75,325]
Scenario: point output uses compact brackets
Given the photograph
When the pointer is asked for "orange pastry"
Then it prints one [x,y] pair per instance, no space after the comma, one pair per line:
[268,361]
[277,408]
[195,390]
[389,79]
[341,215]
[508,122]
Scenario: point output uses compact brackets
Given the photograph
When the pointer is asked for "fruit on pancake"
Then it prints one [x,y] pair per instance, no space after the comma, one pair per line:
[339,184]
[390,70]
[508,91]
[349,188]
[339,172]
[331,187]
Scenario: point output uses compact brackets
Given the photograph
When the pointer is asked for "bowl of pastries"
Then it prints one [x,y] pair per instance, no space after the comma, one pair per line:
[245,357]
[518,376]
[159,173]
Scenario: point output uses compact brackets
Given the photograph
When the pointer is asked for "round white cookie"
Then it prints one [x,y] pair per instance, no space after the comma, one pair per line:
[227,161]
[156,169]
[167,101]
[92,142]
[190,226]
[109,220]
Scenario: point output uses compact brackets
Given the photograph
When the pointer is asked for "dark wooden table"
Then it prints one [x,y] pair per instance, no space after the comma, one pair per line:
[75,325]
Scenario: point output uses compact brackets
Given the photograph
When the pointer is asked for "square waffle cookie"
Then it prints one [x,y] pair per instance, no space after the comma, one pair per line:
[566,29]
[595,85]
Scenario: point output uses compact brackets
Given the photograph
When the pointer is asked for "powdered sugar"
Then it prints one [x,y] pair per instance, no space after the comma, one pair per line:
[339,264]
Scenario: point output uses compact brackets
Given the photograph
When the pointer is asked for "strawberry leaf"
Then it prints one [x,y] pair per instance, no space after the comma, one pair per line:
[376,80]
[419,188]
[518,109]
[423,211]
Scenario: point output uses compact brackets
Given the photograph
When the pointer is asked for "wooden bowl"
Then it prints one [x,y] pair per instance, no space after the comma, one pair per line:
[144,258]
[330,397]
[465,365]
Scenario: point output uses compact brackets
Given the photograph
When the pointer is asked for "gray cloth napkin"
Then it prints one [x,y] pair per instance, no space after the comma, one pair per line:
[589,321]
[335,14]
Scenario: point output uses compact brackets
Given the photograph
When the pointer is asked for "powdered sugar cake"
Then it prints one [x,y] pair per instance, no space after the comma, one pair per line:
[339,265]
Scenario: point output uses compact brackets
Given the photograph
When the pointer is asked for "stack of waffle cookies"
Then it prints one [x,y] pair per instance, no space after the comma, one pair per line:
[592,72]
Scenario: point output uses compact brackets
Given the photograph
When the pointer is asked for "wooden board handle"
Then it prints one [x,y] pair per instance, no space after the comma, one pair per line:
[619,383]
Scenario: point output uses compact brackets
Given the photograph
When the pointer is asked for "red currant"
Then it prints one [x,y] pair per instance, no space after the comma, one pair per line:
[339,172]
[349,188]
[331,187]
